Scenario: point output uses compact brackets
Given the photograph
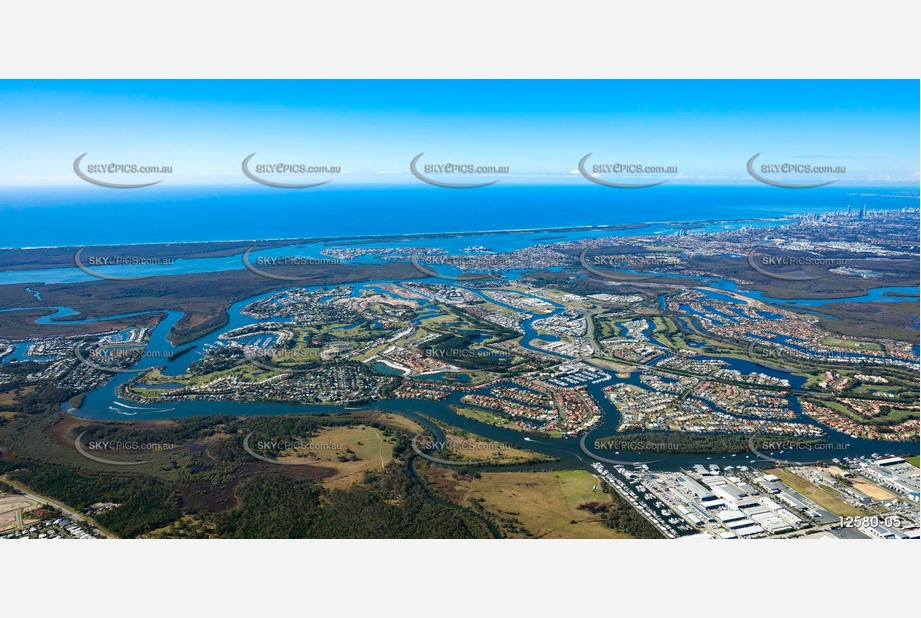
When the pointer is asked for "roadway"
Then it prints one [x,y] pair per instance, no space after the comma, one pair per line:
[66,510]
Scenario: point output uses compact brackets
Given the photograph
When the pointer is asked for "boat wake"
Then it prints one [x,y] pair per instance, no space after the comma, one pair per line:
[122,407]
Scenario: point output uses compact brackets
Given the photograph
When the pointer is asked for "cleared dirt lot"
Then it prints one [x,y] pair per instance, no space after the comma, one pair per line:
[10,505]
[349,451]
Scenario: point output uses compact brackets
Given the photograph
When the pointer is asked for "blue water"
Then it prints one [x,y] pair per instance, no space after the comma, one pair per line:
[386,369]
[453,244]
[873,295]
[48,217]
[788,341]
[20,353]
[530,333]
[87,215]
[63,315]
[715,311]
[722,297]
[161,385]
[688,309]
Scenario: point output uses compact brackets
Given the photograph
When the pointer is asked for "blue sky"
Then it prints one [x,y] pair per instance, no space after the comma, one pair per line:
[539,129]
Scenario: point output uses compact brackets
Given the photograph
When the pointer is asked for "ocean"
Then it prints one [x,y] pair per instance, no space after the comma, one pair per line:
[88,215]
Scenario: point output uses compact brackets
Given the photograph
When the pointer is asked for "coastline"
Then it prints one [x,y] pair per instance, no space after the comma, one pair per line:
[414,235]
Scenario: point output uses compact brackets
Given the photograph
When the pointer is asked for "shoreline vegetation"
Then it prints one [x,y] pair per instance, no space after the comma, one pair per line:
[53,256]
[203,298]
[223,248]
[686,443]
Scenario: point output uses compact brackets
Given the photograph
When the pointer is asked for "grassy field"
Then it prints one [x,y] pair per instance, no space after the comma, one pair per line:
[854,345]
[9,398]
[49,439]
[465,446]
[484,416]
[896,414]
[914,461]
[608,326]
[869,389]
[667,332]
[301,352]
[872,319]
[246,372]
[823,497]
[406,426]
[203,297]
[204,469]
[350,451]
[546,504]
